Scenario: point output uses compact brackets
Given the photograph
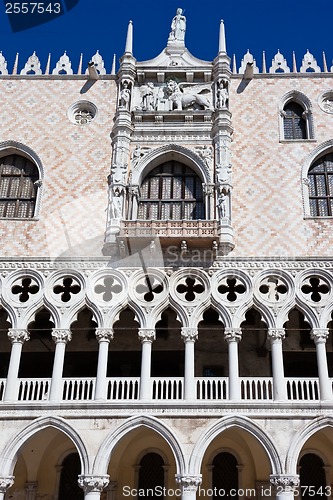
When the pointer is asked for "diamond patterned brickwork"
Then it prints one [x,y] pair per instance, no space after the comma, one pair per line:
[76,161]
[267,202]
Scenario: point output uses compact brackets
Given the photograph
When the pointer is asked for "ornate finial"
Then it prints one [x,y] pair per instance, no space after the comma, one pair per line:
[79,70]
[279,64]
[129,39]
[294,63]
[63,66]
[113,69]
[98,64]
[222,44]
[324,62]
[264,62]
[32,66]
[178,28]
[309,62]
[16,64]
[47,69]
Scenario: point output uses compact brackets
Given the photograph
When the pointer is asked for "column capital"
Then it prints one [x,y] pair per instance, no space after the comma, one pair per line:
[319,335]
[276,334]
[189,482]
[232,334]
[285,481]
[147,334]
[30,485]
[189,334]
[61,335]
[5,483]
[104,334]
[18,335]
[93,483]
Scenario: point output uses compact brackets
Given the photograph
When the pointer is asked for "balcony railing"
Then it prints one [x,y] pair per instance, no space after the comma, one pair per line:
[170,228]
[127,389]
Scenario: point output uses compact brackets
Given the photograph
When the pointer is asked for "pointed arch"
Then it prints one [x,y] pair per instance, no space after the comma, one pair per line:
[104,453]
[240,422]
[300,439]
[11,449]
[294,106]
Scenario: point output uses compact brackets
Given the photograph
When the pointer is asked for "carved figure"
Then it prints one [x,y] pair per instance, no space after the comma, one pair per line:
[181,100]
[148,97]
[178,27]
[222,94]
[125,96]
[116,205]
[221,205]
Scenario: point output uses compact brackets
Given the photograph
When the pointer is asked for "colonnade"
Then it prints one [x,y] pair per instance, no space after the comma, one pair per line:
[147,336]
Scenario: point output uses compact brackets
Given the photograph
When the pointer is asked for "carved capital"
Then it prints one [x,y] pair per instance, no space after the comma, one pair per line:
[147,334]
[319,335]
[18,335]
[31,486]
[189,334]
[61,335]
[276,334]
[233,334]
[5,483]
[285,481]
[189,482]
[93,483]
[104,334]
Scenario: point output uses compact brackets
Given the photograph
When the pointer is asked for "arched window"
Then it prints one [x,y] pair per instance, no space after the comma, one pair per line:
[70,470]
[294,123]
[312,476]
[225,475]
[17,186]
[171,191]
[151,476]
[320,179]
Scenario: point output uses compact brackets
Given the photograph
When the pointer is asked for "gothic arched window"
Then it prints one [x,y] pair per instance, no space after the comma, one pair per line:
[294,122]
[171,191]
[151,476]
[320,179]
[70,470]
[18,190]
[225,475]
[312,476]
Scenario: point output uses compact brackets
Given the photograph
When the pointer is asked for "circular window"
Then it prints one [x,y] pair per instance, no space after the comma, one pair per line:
[325,101]
[82,112]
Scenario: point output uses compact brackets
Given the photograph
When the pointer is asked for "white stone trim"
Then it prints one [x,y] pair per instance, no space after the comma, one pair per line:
[304,101]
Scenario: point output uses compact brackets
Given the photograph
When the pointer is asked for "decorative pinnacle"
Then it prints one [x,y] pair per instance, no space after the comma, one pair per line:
[129,39]
[113,69]
[222,44]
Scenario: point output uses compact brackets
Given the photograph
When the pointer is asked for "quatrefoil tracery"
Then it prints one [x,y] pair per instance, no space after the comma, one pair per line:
[24,290]
[149,288]
[315,288]
[273,289]
[190,289]
[231,288]
[109,288]
[67,289]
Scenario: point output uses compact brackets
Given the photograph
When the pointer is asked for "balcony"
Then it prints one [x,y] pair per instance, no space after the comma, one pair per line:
[165,390]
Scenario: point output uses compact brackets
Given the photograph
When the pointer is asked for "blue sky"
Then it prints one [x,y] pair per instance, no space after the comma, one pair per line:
[101,24]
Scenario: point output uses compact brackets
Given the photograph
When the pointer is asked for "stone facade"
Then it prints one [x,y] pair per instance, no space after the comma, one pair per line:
[189,351]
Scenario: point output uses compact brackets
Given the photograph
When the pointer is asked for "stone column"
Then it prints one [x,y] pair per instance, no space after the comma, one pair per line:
[319,335]
[17,338]
[60,337]
[147,336]
[189,336]
[104,336]
[189,485]
[233,336]
[276,335]
[5,483]
[286,486]
[93,486]
[30,490]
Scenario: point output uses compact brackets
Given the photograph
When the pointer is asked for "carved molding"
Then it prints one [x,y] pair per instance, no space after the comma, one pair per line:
[147,334]
[233,334]
[93,483]
[18,335]
[189,334]
[61,335]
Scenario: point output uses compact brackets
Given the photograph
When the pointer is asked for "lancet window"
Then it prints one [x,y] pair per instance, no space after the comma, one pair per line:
[320,181]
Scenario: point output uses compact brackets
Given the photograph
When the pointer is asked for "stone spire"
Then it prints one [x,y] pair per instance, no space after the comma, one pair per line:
[129,39]
[113,69]
[222,44]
